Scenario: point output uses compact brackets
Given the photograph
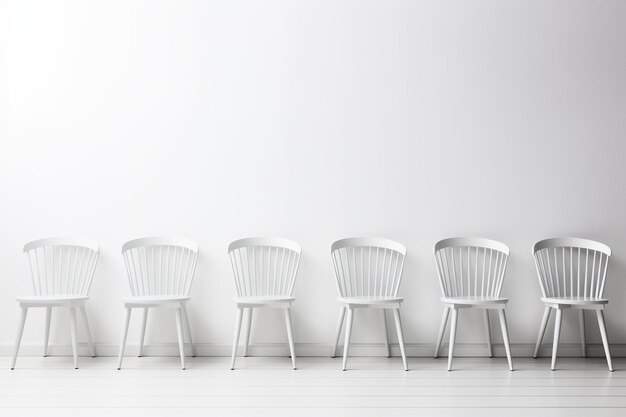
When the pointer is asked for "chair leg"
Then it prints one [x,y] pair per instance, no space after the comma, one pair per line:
[181,338]
[92,349]
[124,335]
[342,313]
[505,336]
[188,329]
[542,330]
[246,340]
[396,315]
[292,349]
[142,332]
[387,349]
[557,333]
[455,316]
[488,332]
[236,338]
[605,339]
[46,334]
[346,343]
[73,332]
[442,330]
[18,339]
[583,333]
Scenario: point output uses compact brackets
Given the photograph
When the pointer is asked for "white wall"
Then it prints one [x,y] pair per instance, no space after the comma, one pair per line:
[312,120]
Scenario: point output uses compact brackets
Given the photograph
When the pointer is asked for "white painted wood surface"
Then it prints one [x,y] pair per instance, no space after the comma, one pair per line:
[155,386]
[160,272]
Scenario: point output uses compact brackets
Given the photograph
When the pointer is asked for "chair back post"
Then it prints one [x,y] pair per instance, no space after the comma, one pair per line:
[62,265]
[264,266]
[160,265]
[471,266]
[571,267]
[368,266]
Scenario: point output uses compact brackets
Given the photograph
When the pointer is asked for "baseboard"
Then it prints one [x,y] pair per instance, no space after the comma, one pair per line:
[320,350]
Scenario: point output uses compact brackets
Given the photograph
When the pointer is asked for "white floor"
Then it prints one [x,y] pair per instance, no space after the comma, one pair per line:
[269,387]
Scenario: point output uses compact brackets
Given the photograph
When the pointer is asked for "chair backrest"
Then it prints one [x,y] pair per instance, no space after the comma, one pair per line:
[160,266]
[571,267]
[264,266]
[471,266]
[62,265]
[368,266]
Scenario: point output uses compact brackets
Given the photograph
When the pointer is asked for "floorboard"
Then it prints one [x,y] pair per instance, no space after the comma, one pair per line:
[156,386]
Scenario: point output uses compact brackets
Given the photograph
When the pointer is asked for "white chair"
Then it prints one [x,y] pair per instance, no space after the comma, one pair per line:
[61,269]
[572,274]
[471,271]
[368,272]
[264,269]
[160,272]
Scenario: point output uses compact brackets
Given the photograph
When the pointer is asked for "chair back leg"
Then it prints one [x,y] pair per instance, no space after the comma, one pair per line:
[46,334]
[542,330]
[188,329]
[342,313]
[442,330]
[18,339]
[92,349]
[386,328]
[488,333]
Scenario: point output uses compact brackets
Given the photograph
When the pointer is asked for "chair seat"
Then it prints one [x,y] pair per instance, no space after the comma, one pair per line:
[370,300]
[264,300]
[576,301]
[155,300]
[52,300]
[475,300]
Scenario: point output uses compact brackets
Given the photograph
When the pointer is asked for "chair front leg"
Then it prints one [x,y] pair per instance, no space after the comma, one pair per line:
[292,350]
[181,337]
[396,315]
[142,332]
[346,343]
[505,337]
[236,337]
[583,332]
[605,339]
[18,339]
[455,315]
[124,335]
[246,341]
[73,333]
[342,313]
[557,334]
